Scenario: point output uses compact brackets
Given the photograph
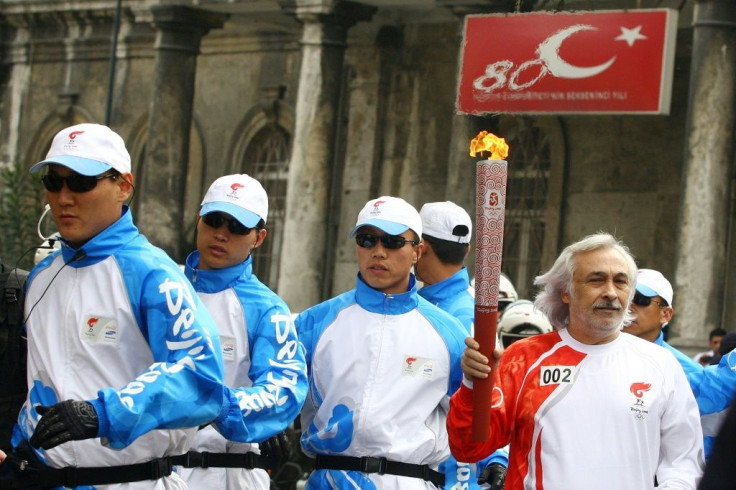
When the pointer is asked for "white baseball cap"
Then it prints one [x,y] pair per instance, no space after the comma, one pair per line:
[239,195]
[392,215]
[88,149]
[446,221]
[652,283]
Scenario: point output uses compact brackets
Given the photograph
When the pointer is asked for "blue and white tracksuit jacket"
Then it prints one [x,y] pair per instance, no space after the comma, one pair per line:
[382,369]
[455,296]
[265,371]
[714,388]
[122,328]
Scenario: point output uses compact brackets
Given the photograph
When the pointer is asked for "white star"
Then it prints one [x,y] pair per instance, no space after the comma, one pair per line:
[630,35]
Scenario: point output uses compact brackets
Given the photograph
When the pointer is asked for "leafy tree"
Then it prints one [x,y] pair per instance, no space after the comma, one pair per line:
[21,204]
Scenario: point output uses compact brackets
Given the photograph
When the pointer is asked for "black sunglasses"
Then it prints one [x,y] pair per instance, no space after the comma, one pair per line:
[391,242]
[75,182]
[216,220]
[641,300]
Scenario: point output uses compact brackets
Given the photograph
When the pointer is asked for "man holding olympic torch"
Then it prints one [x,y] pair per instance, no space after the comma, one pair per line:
[584,406]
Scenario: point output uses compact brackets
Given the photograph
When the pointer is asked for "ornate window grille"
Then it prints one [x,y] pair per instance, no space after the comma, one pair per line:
[267,159]
[526,202]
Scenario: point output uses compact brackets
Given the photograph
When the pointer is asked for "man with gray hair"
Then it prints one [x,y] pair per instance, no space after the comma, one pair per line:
[635,419]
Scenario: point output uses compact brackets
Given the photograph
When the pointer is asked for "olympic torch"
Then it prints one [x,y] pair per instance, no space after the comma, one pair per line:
[490,205]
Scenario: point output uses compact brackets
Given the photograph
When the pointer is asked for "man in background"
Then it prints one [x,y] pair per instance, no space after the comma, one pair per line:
[714,342]
[446,233]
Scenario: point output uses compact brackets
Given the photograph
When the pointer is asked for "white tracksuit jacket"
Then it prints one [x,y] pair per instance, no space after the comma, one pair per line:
[382,369]
[123,329]
[265,372]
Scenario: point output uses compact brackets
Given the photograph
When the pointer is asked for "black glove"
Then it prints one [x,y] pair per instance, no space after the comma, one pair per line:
[275,449]
[494,474]
[66,421]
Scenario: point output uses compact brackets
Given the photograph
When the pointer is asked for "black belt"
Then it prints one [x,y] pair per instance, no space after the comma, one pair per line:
[195,459]
[369,464]
[72,476]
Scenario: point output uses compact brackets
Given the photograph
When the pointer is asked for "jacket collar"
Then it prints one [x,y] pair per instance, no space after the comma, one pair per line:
[216,280]
[388,304]
[104,244]
[449,288]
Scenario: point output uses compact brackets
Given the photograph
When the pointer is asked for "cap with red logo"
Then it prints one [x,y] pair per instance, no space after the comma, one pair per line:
[88,149]
[392,215]
[239,195]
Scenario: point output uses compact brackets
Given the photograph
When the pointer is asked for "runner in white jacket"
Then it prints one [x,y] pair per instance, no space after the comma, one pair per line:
[383,363]
[265,372]
[123,358]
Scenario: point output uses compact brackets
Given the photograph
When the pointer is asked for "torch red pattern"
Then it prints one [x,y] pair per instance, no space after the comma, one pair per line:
[489,218]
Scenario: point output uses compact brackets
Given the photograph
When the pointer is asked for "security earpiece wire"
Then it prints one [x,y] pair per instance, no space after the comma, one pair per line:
[79,255]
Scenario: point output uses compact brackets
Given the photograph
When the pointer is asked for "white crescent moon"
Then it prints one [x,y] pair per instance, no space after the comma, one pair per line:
[548,52]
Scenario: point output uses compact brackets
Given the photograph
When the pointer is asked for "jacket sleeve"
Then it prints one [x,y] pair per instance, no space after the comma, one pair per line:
[278,371]
[681,448]
[183,387]
[714,393]
[460,417]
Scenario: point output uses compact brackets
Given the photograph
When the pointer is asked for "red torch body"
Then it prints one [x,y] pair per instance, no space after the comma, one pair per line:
[491,176]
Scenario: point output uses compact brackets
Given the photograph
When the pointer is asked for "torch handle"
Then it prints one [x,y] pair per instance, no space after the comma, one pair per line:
[486,324]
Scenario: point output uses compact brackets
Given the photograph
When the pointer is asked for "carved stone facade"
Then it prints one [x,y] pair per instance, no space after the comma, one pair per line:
[333,103]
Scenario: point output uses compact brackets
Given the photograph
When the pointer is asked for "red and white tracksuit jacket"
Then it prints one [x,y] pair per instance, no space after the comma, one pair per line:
[581,417]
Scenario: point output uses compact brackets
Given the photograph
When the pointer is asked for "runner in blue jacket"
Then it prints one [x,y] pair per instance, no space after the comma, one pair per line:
[123,358]
[265,373]
[383,363]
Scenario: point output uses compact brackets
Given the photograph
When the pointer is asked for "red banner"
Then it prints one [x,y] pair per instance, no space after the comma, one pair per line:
[600,62]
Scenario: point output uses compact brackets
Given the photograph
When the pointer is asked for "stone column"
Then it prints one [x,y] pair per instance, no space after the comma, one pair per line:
[162,185]
[303,253]
[703,230]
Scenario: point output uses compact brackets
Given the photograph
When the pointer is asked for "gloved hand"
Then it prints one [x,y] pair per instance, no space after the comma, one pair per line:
[494,474]
[276,449]
[70,420]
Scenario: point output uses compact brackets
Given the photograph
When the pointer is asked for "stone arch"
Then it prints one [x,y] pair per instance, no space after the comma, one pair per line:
[262,149]
[275,113]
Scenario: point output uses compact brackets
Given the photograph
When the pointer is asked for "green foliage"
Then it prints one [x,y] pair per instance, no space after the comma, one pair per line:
[21,205]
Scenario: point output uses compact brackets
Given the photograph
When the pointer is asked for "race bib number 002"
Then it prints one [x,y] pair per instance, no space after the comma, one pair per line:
[556,375]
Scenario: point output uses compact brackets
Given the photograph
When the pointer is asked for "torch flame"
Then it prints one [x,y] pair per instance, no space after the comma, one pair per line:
[486,141]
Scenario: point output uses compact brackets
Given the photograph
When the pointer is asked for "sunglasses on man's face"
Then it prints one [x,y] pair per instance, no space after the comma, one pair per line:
[644,301]
[216,220]
[391,242]
[75,182]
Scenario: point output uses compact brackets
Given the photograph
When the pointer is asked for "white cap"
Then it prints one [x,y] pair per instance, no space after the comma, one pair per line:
[652,283]
[446,221]
[239,195]
[88,149]
[392,215]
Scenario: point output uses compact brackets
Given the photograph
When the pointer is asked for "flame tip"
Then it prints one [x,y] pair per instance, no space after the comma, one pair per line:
[485,141]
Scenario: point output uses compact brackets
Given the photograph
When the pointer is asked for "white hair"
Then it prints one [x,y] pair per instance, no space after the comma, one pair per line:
[559,279]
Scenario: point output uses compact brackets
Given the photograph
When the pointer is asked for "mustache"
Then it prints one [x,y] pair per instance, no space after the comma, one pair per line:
[614,304]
